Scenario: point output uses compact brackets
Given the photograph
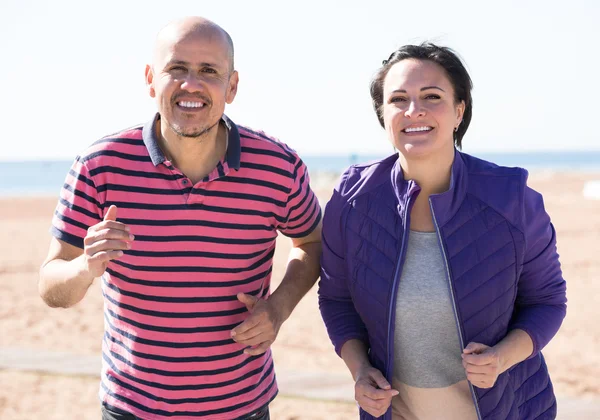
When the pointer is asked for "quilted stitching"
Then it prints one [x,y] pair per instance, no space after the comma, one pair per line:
[467,216]
[540,367]
[474,243]
[362,285]
[551,415]
[475,336]
[548,385]
[480,263]
[493,277]
[501,296]
[362,233]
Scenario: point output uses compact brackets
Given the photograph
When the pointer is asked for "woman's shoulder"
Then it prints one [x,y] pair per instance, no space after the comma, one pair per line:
[503,188]
[481,167]
[488,179]
[363,177]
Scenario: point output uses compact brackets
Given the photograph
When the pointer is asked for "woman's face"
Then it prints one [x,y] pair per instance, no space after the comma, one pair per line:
[419,111]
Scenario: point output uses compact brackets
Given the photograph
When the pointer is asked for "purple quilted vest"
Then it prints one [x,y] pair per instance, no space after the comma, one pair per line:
[502,270]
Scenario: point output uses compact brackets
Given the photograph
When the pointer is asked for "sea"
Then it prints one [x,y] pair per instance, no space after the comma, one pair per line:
[45,178]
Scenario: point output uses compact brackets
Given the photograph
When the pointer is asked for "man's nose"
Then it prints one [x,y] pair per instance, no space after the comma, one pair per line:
[192,83]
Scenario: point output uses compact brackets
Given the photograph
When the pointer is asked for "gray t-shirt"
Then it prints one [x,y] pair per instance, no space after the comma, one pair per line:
[428,369]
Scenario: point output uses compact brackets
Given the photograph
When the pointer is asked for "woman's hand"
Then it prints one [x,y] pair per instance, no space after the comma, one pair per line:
[482,364]
[372,391]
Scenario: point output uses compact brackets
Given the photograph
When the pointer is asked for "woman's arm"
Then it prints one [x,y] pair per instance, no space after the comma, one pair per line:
[341,319]
[540,306]
[371,390]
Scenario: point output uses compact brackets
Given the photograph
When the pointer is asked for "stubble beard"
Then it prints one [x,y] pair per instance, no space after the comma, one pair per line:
[193,133]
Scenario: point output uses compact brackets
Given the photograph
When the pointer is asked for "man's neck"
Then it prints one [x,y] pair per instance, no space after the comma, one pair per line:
[195,157]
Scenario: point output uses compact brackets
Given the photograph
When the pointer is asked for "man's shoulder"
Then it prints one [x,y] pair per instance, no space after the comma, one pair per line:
[260,143]
[124,142]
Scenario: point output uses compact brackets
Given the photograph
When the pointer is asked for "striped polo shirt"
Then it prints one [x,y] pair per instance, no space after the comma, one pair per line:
[170,301]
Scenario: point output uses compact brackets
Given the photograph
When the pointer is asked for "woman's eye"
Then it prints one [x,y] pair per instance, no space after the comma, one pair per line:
[397,99]
[432,96]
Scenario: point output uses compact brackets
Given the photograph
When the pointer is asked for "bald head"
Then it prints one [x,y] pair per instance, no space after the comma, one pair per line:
[191,27]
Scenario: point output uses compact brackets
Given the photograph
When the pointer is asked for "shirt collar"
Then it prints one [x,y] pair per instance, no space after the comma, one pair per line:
[446,203]
[232,156]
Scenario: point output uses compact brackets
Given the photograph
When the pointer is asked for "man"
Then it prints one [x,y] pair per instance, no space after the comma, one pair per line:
[179,218]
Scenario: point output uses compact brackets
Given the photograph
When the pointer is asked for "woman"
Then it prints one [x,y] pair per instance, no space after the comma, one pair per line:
[440,280]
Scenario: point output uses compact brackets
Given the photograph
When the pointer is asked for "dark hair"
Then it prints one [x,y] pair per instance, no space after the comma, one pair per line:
[448,60]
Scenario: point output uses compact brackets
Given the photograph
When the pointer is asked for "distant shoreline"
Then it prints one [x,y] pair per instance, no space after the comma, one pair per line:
[321,181]
[45,178]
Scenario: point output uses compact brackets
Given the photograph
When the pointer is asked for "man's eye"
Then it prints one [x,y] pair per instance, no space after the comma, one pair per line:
[178,68]
[208,70]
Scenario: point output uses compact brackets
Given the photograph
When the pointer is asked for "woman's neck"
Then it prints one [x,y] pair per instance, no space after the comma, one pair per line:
[432,173]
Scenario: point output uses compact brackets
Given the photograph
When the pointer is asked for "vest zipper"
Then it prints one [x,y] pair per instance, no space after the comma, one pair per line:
[406,225]
[459,329]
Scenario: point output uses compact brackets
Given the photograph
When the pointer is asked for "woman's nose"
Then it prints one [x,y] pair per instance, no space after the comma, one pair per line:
[414,110]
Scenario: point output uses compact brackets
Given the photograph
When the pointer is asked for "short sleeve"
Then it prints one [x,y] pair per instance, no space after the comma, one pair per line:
[78,207]
[302,211]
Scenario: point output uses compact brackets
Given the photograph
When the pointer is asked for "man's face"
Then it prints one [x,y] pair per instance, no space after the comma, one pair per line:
[192,80]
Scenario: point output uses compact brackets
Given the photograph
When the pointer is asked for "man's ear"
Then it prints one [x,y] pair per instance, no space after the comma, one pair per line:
[232,88]
[149,79]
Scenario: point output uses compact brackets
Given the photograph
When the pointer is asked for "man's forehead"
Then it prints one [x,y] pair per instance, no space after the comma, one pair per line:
[173,45]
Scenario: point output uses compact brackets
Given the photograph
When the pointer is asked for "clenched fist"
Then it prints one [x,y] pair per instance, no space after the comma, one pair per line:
[105,241]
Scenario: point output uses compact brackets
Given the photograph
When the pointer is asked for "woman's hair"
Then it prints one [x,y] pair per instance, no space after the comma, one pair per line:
[448,60]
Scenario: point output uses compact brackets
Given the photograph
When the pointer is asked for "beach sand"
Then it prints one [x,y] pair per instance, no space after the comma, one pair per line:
[26,323]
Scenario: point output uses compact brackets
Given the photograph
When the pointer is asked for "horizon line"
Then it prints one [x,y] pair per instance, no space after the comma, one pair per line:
[346,154]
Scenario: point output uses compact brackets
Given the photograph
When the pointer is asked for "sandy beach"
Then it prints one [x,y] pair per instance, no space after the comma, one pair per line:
[573,356]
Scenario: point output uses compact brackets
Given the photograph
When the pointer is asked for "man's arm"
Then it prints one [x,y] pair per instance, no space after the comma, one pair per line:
[63,279]
[261,328]
[69,271]
[301,274]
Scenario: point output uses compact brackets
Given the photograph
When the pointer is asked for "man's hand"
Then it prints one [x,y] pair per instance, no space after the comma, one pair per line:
[260,329]
[482,364]
[105,241]
[372,391]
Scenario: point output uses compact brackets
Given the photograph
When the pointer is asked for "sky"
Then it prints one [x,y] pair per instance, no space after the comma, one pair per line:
[73,71]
